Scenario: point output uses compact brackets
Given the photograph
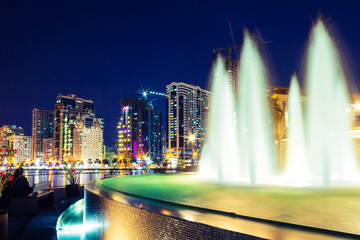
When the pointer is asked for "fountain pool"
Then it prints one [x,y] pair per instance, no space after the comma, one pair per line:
[296,206]
[181,206]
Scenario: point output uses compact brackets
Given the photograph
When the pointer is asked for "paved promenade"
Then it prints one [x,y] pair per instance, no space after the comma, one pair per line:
[42,225]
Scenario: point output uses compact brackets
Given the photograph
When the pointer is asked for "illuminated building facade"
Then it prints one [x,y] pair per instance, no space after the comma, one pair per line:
[42,128]
[48,149]
[139,130]
[9,130]
[70,112]
[232,67]
[187,106]
[23,146]
[88,143]
[278,103]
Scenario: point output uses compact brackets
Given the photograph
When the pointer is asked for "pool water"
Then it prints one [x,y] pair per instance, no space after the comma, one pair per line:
[331,209]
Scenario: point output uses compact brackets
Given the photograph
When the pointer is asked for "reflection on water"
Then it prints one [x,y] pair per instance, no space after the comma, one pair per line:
[58,177]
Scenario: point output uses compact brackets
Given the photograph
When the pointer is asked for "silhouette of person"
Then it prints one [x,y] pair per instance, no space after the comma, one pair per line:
[16,186]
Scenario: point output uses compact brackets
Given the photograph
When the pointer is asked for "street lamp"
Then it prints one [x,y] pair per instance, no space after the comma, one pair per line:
[194,155]
[121,157]
[191,139]
[190,143]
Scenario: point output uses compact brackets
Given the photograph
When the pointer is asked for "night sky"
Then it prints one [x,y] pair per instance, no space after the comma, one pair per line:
[107,50]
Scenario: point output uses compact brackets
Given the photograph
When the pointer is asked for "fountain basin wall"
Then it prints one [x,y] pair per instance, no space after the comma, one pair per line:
[181,207]
[113,215]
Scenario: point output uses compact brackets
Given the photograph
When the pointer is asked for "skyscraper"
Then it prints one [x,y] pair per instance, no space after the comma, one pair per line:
[23,146]
[88,143]
[42,128]
[70,112]
[232,67]
[139,130]
[187,106]
[154,133]
[9,130]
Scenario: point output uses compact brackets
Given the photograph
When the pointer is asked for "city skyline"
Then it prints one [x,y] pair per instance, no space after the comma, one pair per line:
[106,52]
[179,119]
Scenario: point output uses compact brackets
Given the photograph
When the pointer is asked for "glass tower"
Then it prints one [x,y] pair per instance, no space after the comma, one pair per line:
[187,107]
[42,128]
[139,130]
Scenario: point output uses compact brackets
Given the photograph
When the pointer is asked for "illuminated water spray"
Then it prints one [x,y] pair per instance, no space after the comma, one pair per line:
[221,146]
[330,147]
[320,150]
[297,166]
[242,150]
[255,129]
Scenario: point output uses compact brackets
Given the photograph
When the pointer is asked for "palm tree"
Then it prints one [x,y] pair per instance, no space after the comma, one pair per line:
[278,113]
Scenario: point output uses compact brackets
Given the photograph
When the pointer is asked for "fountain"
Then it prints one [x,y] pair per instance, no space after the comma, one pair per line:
[320,152]
[254,138]
[297,170]
[240,192]
[221,164]
[330,148]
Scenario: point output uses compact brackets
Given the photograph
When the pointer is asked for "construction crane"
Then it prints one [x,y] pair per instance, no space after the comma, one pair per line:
[234,46]
[229,48]
[146,93]
[233,40]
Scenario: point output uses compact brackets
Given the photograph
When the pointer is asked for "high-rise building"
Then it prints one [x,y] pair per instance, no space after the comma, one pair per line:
[232,67]
[186,107]
[9,130]
[70,112]
[48,149]
[23,146]
[154,133]
[88,143]
[139,130]
[42,128]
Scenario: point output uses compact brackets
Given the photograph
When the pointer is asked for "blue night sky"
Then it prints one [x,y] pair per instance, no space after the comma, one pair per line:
[107,50]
